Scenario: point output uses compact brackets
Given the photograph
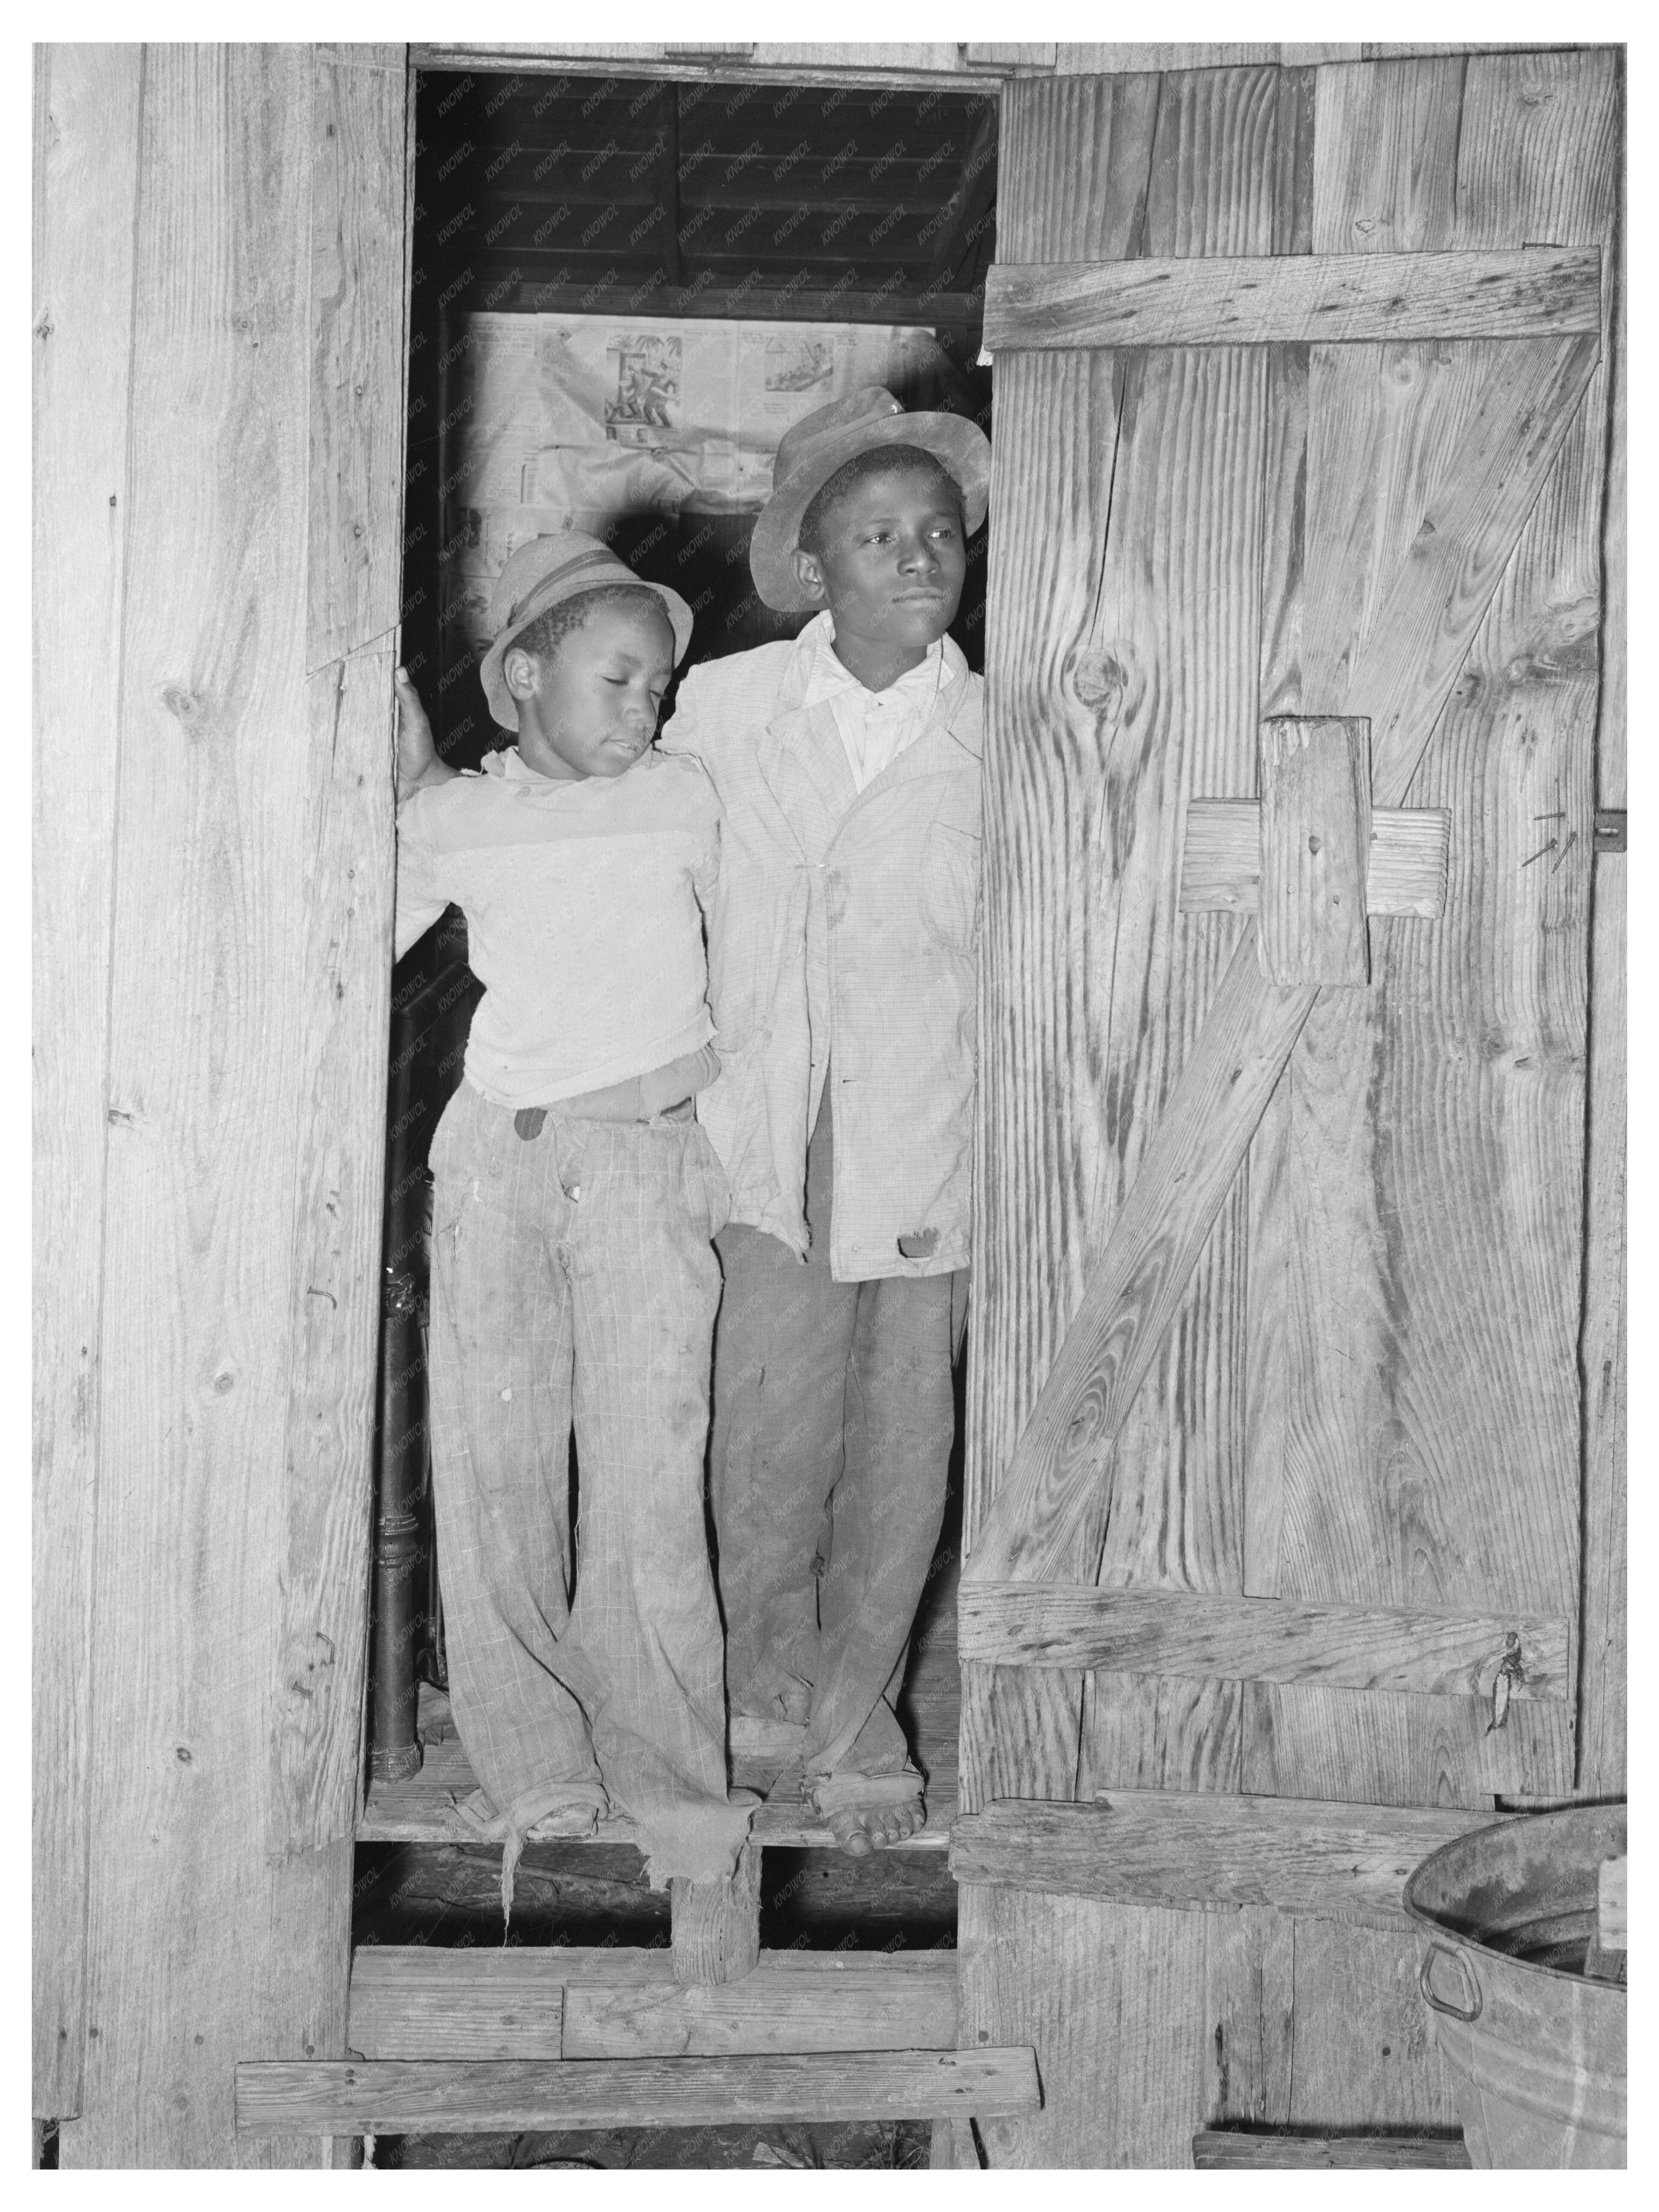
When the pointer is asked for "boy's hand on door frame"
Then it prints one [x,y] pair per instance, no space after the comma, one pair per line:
[418,763]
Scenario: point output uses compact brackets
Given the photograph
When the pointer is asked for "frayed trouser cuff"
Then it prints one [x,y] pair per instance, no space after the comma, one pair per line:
[578,1807]
[696,1842]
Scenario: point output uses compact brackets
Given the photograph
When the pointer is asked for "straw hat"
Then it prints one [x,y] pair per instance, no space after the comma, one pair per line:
[811,451]
[543,573]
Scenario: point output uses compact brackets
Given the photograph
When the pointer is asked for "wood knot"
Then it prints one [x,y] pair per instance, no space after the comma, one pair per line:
[1098,679]
[186,707]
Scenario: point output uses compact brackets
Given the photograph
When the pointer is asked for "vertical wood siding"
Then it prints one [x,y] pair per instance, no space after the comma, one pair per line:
[1433,1177]
[85,155]
[251,921]
[1602,1716]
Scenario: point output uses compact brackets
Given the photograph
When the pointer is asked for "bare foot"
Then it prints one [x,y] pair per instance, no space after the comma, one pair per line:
[861,1829]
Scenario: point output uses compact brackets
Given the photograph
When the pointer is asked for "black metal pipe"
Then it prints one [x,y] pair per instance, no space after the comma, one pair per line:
[400,1533]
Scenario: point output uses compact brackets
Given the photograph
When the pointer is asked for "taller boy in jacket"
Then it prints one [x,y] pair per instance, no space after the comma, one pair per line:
[843,973]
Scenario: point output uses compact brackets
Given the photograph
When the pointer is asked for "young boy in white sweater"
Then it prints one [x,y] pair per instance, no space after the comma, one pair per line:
[576,1200]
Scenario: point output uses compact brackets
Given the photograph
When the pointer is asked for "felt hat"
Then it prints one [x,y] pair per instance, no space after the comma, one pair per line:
[545,572]
[811,451]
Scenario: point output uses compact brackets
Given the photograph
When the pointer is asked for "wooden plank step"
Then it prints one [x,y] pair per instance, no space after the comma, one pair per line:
[422,1810]
[606,2001]
[491,2097]
[1214,2149]
[1196,1848]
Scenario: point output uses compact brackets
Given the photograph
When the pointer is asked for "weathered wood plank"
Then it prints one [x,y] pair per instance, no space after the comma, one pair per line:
[1385,152]
[491,2096]
[86,161]
[1111,1997]
[210,912]
[1206,1849]
[1232,2149]
[241,819]
[420,2001]
[1316,835]
[1081,152]
[1604,1647]
[1613,1904]
[1400,1748]
[1020,1732]
[1406,861]
[1247,2030]
[1327,299]
[1437,1126]
[355,531]
[1185,537]
[1172,1632]
[1284,492]
[1366,2057]
[612,2002]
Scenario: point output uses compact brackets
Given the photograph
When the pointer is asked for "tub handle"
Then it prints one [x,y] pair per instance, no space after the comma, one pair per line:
[1426,1982]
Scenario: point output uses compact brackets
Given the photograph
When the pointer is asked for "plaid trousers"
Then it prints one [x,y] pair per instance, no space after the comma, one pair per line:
[574,1273]
[834,1418]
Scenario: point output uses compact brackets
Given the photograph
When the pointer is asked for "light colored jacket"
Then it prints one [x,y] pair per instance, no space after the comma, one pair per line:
[842,935]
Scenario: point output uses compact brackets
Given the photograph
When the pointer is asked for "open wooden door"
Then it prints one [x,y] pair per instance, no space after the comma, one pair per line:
[1273,1535]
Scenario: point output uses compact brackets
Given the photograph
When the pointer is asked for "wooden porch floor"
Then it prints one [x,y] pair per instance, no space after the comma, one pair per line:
[423,1808]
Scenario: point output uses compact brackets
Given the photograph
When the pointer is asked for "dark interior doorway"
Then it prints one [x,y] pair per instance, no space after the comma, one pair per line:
[538,195]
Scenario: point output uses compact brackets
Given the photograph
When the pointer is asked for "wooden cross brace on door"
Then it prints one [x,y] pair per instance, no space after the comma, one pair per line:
[1310,858]
[1396,687]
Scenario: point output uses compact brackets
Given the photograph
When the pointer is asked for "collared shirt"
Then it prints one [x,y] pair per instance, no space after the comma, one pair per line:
[583,903]
[875,726]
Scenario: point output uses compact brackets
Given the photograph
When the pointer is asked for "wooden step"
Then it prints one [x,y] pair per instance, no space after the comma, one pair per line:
[422,1810]
[419,2002]
[502,2096]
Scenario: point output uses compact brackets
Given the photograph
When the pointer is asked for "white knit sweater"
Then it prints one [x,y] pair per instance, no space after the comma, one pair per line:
[583,905]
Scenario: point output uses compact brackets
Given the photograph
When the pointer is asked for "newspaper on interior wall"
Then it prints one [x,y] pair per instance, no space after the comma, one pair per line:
[573,422]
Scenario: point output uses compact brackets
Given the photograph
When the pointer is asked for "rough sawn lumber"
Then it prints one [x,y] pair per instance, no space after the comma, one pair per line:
[1219,2149]
[421,2002]
[1206,1849]
[1315,826]
[1206,1636]
[87,136]
[1404,864]
[489,2096]
[1294,299]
